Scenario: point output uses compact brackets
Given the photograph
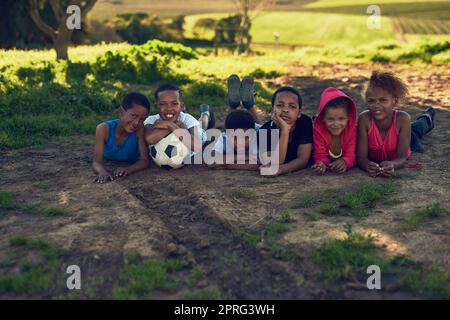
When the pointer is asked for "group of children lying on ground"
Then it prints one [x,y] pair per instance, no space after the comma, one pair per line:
[379,140]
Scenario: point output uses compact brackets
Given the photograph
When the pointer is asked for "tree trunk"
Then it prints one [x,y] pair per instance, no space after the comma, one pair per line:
[61,43]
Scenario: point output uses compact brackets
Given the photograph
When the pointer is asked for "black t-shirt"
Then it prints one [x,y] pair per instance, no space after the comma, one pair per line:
[302,134]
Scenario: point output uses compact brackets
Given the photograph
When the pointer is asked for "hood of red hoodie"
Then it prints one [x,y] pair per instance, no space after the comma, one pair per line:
[329,94]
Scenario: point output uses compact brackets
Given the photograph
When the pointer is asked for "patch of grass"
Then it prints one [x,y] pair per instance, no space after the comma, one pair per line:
[53,212]
[251,238]
[31,275]
[31,209]
[341,259]
[309,201]
[354,203]
[195,276]
[259,73]
[349,258]
[421,216]
[7,200]
[429,281]
[271,235]
[141,279]
[242,193]
[210,293]
[328,208]
[286,217]
[311,216]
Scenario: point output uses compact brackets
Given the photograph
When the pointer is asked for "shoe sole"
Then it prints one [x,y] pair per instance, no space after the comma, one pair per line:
[248,92]
[234,98]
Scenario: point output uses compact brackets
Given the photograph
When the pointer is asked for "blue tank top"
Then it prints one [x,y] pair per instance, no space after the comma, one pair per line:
[127,151]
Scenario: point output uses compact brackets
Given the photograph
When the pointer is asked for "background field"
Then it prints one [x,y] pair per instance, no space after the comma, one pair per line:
[195,233]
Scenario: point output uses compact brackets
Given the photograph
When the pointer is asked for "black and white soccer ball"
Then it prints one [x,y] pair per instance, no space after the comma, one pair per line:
[169,152]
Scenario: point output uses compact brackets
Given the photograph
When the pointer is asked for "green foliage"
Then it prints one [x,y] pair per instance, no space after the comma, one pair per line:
[209,89]
[354,203]
[32,266]
[425,52]
[261,74]
[242,193]
[7,201]
[250,238]
[421,216]
[349,258]
[343,258]
[36,73]
[210,293]
[140,279]
[138,28]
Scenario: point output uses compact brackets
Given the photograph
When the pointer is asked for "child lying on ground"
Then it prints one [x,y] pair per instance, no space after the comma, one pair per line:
[385,134]
[123,139]
[169,104]
[335,133]
[295,131]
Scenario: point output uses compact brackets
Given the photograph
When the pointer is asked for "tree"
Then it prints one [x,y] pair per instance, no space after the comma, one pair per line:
[60,34]
[249,10]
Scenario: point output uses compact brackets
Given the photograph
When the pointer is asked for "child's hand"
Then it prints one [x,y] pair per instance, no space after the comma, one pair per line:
[319,167]
[283,125]
[269,171]
[387,168]
[339,166]
[120,172]
[160,124]
[104,177]
[373,169]
[180,124]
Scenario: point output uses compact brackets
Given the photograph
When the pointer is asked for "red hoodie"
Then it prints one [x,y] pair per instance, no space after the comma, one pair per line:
[322,137]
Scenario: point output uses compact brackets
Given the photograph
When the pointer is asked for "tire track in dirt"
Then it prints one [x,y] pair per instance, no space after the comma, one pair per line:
[195,226]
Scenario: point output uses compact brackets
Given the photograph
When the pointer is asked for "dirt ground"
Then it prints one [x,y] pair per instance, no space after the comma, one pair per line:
[193,211]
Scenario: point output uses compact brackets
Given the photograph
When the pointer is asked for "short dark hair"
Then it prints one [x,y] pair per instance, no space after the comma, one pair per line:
[239,119]
[338,103]
[288,89]
[389,82]
[135,98]
[168,87]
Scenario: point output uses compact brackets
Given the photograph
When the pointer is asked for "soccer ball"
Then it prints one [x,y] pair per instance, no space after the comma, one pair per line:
[169,152]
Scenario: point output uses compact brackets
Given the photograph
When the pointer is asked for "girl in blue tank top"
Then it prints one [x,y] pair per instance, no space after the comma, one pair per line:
[123,139]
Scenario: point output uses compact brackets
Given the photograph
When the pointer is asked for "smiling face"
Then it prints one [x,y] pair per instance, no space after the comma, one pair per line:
[133,118]
[286,105]
[169,105]
[380,103]
[336,119]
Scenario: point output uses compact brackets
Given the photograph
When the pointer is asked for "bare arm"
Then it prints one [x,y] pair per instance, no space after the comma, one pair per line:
[404,137]
[143,161]
[154,135]
[303,155]
[101,133]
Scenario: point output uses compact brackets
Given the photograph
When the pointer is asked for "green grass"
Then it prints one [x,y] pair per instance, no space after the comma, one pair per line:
[242,193]
[196,275]
[7,200]
[348,259]
[420,9]
[269,237]
[355,202]
[210,293]
[421,216]
[32,266]
[251,238]
[321,29]
[141,279]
